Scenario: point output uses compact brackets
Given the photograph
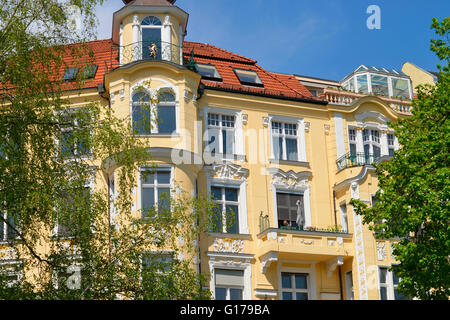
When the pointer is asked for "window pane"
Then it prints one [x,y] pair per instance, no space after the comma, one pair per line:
[147,177]
[221,294]
[2,230]
[151,43]
[67,143]
[353,148]
[166,119]
[231,194]
[287,296]
[286,280]
[300,282]
[383,293]
[11,234]
[163,198]
[278,147]
[400,88]
[291,149]
[216,219]
[148,199]
[399,296]
[282,199]
[235,294]
[141,120]
[301,296]
[228,141]
[164,96]
[213,140]
[380,85]
[163,177]
[383,275]
[232,216]
[361,82]
[376,152]
[216,193]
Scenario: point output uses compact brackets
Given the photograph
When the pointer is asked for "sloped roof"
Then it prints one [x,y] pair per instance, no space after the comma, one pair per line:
[150,2]
[275,84]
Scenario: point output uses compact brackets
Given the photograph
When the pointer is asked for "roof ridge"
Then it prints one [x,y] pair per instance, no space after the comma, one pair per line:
[223,50]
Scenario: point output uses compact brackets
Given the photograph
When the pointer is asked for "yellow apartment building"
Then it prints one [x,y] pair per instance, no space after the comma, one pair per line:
[282,153]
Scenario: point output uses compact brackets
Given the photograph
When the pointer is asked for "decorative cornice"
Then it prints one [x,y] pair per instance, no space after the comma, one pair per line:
[289,180]
[227,171]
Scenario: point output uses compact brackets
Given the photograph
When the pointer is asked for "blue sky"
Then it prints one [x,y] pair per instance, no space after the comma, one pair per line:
[319,38]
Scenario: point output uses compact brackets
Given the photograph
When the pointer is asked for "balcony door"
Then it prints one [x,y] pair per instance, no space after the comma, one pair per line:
[151,38]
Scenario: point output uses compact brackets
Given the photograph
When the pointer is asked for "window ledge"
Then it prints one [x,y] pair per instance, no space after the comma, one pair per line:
[158,135]
[222,156]
[230,235]
[291,162]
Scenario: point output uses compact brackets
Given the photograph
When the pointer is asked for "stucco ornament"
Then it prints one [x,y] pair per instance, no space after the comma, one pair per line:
[381,250]
[234,246]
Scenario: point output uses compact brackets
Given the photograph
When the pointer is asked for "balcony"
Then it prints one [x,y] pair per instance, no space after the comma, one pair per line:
[264,224]
[347,98]
[303,244]
[355,159]
[151,51]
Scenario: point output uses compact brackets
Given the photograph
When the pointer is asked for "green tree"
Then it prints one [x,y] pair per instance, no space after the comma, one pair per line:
[73,242]
[413,206]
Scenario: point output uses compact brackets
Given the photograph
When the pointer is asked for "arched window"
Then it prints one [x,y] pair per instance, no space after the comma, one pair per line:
[166,112]
[141,113]
[151,38]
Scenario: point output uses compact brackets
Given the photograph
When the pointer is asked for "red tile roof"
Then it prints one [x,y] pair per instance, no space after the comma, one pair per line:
[101,56]
[276,85]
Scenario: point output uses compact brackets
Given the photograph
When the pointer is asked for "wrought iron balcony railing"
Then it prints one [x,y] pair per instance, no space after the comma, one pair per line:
[151,50]
[355,159]
[264,224]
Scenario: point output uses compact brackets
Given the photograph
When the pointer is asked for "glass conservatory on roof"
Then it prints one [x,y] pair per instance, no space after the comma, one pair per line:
[379,81]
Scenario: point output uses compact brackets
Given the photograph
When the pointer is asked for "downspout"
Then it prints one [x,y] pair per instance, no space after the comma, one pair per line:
[340,283]
[102,93]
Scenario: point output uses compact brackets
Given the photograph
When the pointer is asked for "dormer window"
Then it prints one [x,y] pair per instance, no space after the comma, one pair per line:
[249,77]
[209,72]
[70,74]
[89,72]
[151,38]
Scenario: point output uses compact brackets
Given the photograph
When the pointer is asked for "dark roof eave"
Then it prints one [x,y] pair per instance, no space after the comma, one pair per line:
[266,95]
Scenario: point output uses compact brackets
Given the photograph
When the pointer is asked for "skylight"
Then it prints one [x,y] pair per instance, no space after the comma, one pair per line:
[249,77]
[89,71]
[209,72]
[70,74]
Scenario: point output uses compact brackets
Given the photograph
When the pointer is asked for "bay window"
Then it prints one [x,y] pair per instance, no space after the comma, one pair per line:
[372,145]
[144,114]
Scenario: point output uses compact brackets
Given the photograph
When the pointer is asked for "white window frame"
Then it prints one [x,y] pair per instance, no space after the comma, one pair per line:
[141,27]
[4,264]
[162,167]
[228,287]
[4,237]
[218,260]
[221,128]
[311,279]
[88,155]
[167,86]
[238,132]
[343,216]
[301,139]
[90,183]
[352,141]
[223,203]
